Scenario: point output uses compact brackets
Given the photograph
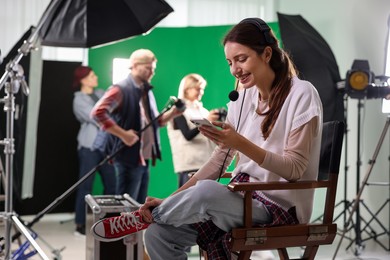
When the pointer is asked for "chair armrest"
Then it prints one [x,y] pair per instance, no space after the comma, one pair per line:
[252,186]
[227,175]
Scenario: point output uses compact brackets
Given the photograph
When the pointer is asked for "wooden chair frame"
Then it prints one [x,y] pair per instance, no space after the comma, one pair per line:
[249,238]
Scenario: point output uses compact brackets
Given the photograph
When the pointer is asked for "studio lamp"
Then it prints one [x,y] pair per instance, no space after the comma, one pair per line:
[359,79]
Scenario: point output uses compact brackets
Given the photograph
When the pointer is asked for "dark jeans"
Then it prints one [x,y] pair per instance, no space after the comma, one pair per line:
[133,180]
[87,161]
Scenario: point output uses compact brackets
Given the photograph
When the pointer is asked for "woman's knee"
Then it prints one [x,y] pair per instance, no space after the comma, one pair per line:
[208,189]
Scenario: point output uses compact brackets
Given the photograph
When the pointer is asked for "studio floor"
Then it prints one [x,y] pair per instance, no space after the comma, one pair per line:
[57,239]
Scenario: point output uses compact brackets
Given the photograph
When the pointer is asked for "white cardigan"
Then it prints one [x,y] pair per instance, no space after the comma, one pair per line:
[301,105]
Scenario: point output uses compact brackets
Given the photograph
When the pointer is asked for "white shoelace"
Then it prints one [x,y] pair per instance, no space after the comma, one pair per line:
[124,222]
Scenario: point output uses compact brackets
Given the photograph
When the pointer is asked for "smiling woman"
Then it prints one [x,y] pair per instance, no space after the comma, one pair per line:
[281,143]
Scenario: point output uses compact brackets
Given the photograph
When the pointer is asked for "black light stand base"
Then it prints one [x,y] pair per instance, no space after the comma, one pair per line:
[370,233]
[356,203]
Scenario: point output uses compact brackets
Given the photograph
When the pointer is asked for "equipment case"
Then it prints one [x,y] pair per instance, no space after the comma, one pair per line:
[103,206]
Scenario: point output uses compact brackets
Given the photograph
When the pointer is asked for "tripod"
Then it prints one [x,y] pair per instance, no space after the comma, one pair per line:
[357,201]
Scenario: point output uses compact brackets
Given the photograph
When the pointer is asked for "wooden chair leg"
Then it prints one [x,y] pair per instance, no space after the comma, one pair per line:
[244,255]
[310,252]
[283,255]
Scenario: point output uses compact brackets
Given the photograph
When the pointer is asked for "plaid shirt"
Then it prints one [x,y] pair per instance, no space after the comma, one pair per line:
[111,101]
[216,242]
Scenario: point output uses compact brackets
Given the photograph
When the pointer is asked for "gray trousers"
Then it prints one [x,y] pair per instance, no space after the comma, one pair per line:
[207,200]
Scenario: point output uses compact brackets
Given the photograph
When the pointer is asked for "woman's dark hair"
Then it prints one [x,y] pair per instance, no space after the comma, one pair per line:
[79,73]
[251,36]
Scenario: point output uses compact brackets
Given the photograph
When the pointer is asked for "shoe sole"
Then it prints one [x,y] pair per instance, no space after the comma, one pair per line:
[104,239]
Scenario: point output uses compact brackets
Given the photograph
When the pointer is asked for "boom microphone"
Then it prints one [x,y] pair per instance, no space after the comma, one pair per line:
[233,95]
[178,103]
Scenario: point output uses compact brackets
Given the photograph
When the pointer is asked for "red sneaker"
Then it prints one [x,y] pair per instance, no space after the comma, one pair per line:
[115,228]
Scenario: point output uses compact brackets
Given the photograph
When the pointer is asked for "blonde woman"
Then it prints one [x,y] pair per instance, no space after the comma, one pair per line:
[190,150]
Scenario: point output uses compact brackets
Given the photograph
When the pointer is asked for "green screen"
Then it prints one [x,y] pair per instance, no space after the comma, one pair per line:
[179,51]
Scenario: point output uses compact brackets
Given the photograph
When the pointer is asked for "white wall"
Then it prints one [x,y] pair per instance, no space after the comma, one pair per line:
[216,12]
[16,17]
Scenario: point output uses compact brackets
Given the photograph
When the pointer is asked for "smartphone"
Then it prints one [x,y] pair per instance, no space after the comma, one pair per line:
[201,121]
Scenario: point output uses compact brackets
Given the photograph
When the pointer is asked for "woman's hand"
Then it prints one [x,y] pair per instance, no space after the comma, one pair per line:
[146,209]
[170,114]
[223,134]
[213,115]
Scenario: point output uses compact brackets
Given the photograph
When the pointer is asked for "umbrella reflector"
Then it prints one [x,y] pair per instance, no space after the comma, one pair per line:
[89,23]
[315,62]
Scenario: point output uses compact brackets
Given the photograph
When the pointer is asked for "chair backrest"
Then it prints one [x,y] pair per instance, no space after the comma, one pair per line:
[330,155]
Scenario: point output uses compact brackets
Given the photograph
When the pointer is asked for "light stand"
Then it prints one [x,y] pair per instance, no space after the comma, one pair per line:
[10,218]
[357,201]
[360,84]
[9,107]
[345,202]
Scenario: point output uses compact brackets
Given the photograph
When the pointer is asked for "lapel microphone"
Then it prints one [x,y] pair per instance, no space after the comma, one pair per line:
[233,95]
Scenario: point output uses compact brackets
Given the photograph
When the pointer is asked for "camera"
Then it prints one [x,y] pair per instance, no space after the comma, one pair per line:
[222,112]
